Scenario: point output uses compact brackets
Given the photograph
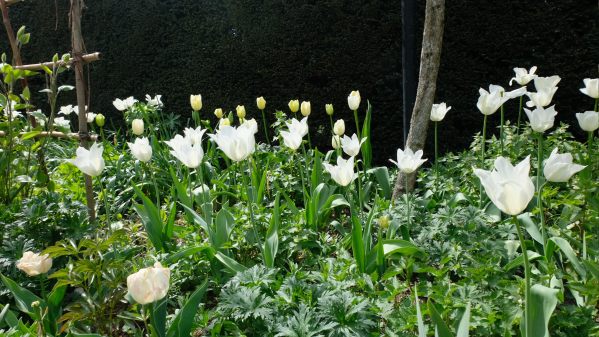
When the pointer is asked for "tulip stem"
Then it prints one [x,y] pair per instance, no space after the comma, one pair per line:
[332,127]
[265,127]
[357,124]
[596,104]
[43,286]
[527,326]
[153,177]
[106,204]
[540,189]
[519,116]
[409,221]
[502,121]
[301,171]
[482,160]
[250,206]
[436,152]
[359,190]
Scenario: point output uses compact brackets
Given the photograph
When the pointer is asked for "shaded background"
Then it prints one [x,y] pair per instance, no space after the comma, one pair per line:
[233,51]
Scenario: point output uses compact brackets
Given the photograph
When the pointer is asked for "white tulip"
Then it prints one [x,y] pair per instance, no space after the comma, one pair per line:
[588,120]
[251,125]
[408,161]
[124,104]
[353,100]
[336,142]
[150,284]
[141,149]
[292,140]
[90,117]
[342,173]
[224,122]
[76,109]
[489,101]
[351,146]
[137,127]
[339,127]
[509,188]
[305,109]
[591,87]
[541,119]
[194,135]
[155,101]
[62,122]
[546,88]
[189,154]
[559,167]
[34,264]
[523,77]
[236,143]
[66,110]
[196,102]
[439,111]
[89,161]
[300,127]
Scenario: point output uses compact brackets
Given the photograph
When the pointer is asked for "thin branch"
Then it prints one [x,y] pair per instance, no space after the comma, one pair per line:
[87,58]
[12,2]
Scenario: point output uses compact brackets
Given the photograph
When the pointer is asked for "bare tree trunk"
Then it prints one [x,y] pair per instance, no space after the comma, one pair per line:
[78,48]
[430,58]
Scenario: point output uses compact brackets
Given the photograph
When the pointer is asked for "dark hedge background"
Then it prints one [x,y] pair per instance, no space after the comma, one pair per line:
[233,51]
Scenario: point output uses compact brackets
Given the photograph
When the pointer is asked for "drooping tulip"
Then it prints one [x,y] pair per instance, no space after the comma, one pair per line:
[189,154]
[342,173]
[591,87]
[294,105]
[351,146]
[339,127]
[196,102]
[353,100]
[439,111]
[306,108]
[541,119]
[34,264]
[237,143]
[546,88]
[489,101]
[588,120]
[559,167]
[141,149]
[89,161]
[261,103]
[408,161]
[150,284]
[523,77]
[292,139]
[137,127]
[124,104]
[509,188]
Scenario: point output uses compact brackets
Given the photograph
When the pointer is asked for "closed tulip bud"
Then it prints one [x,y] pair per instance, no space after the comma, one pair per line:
[509,188]
[100,120]
[329,109]
[339,127]
[588,120]
[34,264]
[137,127]
[336,142]
[240,111]
[218,113]
[559,167]
[591,87]
[149,285]
[384,221]
[353,100]
[294,105]
[196,102]
[306,108]
[141,149]
[261,103]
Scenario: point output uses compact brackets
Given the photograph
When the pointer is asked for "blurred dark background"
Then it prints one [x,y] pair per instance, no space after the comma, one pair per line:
[233,51]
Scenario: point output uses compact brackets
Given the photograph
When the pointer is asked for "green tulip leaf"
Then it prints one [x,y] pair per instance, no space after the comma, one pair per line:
[565,247]
[23,297]
[542,303]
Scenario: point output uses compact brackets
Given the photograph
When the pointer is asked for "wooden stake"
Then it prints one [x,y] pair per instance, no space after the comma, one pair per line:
[54,134]
[87,58]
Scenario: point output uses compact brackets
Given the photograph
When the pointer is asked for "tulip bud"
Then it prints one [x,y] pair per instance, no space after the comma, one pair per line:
[339,127]
[384,221]
[329,109]
[196,102]
[34,264]
[137,127]
[306,108]
[224,122]
[240,111]
[294,105]
[261,103]
[218,113]
[336,142]
[100,120]
[353,100]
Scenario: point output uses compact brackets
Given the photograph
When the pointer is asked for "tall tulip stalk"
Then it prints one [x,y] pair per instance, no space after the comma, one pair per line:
[438,112]
[261,104]
[353,101]
[511,189]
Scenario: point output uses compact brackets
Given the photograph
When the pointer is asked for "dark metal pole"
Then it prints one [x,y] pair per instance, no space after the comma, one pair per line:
[409,61]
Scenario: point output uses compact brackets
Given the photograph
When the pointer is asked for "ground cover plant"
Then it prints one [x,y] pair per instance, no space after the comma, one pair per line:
[245,228]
